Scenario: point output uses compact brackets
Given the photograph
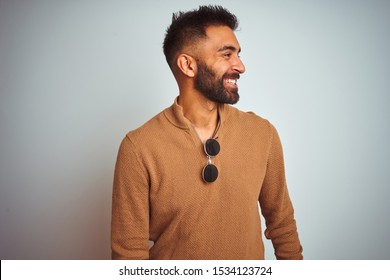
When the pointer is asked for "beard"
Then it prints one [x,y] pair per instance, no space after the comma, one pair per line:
[207,82]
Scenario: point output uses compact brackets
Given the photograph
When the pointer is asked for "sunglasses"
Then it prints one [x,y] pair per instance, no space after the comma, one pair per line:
[210,171]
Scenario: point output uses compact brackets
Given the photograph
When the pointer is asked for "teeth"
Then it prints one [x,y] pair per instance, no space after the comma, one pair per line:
[231,81]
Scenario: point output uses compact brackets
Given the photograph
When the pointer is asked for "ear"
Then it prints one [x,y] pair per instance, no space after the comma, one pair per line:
[186,64]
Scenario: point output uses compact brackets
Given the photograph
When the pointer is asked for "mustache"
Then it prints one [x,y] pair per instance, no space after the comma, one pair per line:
[234,76]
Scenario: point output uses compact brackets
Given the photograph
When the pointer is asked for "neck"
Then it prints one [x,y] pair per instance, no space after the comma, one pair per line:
[201,112]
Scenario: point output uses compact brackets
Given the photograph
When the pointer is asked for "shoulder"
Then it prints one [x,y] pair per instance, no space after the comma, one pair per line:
[136,142]
[249,121]
[251,131]
[149,130]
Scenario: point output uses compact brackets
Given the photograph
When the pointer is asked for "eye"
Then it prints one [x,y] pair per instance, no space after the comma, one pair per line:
[227,55]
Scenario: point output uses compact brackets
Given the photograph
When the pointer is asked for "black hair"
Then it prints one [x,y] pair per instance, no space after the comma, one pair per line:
[189,27]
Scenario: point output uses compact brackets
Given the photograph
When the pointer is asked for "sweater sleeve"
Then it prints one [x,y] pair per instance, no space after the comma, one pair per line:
[130,206]
[276,205]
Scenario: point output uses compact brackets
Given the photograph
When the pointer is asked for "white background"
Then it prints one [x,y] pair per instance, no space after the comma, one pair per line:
[76,76]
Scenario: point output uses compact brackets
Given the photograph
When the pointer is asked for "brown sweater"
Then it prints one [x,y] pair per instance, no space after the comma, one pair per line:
[159,193]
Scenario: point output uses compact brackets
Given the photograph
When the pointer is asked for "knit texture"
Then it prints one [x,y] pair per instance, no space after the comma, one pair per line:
[159,193]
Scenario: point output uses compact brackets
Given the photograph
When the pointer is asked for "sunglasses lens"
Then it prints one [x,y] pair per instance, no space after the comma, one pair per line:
[212,147]
[210,173]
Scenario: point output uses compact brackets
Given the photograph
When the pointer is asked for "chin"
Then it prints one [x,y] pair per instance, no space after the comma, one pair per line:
[233,98]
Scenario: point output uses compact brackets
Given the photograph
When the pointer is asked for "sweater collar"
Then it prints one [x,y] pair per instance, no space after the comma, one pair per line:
[176,116]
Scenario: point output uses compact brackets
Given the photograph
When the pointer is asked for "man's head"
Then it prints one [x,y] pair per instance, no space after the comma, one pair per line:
[201,45]
[188,28]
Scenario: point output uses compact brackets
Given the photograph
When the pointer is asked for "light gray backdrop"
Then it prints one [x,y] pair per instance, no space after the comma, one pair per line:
[75,76]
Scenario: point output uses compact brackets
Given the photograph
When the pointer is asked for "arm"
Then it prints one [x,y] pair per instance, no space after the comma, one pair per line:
[276,205]
[130,206]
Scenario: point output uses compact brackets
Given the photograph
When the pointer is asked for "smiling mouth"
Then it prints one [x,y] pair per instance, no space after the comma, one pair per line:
[231,81]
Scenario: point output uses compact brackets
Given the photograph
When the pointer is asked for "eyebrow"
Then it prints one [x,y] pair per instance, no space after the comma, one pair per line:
[229,47]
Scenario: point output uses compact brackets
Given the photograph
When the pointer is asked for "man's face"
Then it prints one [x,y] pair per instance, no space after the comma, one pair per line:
[219,89]
[219,66]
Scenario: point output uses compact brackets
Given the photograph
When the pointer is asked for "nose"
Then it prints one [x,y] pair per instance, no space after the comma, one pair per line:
[238,65]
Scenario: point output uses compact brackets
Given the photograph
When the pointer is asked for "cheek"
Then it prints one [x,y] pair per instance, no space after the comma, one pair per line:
[224,69]
[220,67]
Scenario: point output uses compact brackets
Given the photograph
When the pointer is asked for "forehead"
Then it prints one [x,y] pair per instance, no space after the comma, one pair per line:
[219,37]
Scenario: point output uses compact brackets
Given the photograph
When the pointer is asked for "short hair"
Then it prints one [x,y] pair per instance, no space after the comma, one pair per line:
[189,27]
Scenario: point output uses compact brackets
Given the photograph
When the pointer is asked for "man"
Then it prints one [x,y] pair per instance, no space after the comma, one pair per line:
[192,177]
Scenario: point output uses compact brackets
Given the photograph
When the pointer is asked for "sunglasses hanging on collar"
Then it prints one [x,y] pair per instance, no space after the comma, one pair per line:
[210,171]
